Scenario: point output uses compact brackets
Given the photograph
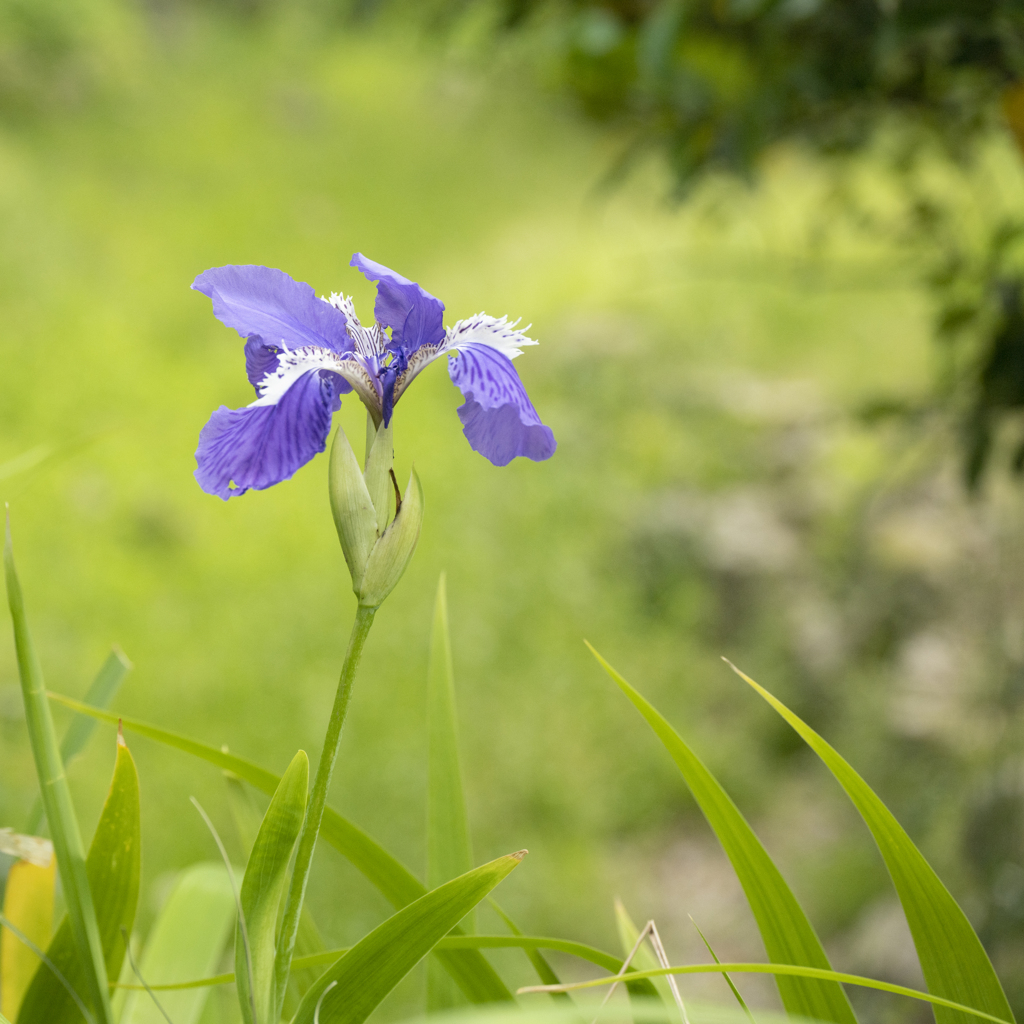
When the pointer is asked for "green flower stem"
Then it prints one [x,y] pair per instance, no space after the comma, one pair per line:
[317,802]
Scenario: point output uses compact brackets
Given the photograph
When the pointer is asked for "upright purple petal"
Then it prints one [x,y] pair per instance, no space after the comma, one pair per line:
[261,445]
[268,303]
[498,419]
[414,315]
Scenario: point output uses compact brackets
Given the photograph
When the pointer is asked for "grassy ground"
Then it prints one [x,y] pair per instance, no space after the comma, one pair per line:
[697,371]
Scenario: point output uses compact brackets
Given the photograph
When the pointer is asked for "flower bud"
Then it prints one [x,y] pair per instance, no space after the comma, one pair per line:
[391,554]
[354,514]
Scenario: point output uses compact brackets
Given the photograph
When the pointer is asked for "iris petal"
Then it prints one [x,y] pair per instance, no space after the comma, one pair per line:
[261,445]
[414,315]
[498,419]
[261,301]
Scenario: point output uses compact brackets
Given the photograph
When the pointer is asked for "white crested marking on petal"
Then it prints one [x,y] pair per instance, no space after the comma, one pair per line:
[369,341]
[293,363]
[489,330]
[344,303]
[423,356]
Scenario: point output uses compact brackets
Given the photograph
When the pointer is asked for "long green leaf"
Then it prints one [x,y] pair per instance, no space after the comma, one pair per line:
[953,960]
[793,971]
[113,869]
[188,936]
[787,934]
[448,847]
[473,974]
[264,883]
[449,853]
[60,812]
[100,694]
[350,989]
[526,942]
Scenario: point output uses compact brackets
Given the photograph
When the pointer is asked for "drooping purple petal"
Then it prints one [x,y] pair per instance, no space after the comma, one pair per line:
[261,359]
[414,315]
[498,419]
[269,303]
[261,445]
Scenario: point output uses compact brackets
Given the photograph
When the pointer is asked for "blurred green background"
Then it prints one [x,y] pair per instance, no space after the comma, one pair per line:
[708,368]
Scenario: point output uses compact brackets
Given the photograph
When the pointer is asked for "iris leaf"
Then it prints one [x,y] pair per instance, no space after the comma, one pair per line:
[448,847]
[787,934]
[354,985]
[473,974]
[952,957]
[60,812]
[248,819]
[113,869]
[100,694]
[264,883]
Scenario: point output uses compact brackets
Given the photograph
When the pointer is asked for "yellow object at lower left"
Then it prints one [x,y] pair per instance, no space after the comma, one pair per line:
[28,905]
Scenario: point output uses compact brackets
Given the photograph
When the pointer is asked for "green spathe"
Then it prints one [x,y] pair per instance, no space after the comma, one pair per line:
[376,552]
[380,457]
[354,515]
[392,553]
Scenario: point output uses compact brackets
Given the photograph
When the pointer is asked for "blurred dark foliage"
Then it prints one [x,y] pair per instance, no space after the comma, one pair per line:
[713,83]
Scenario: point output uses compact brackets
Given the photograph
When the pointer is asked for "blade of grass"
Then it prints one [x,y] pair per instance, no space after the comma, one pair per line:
[788,970]
[243,958]
[142,981]
[56,796]
[785,930]
[101,693]
[732,988]
[448,847]
[453,942]
[540,965]
[953,960]
[28,905]
[473,974]
[351,988]
[114,867]
[643,959]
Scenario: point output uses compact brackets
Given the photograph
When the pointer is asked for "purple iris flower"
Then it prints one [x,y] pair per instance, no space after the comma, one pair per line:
[302,353]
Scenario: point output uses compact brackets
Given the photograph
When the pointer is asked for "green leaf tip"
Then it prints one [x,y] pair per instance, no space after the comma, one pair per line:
[117,652]
[952,957]
[788,935]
